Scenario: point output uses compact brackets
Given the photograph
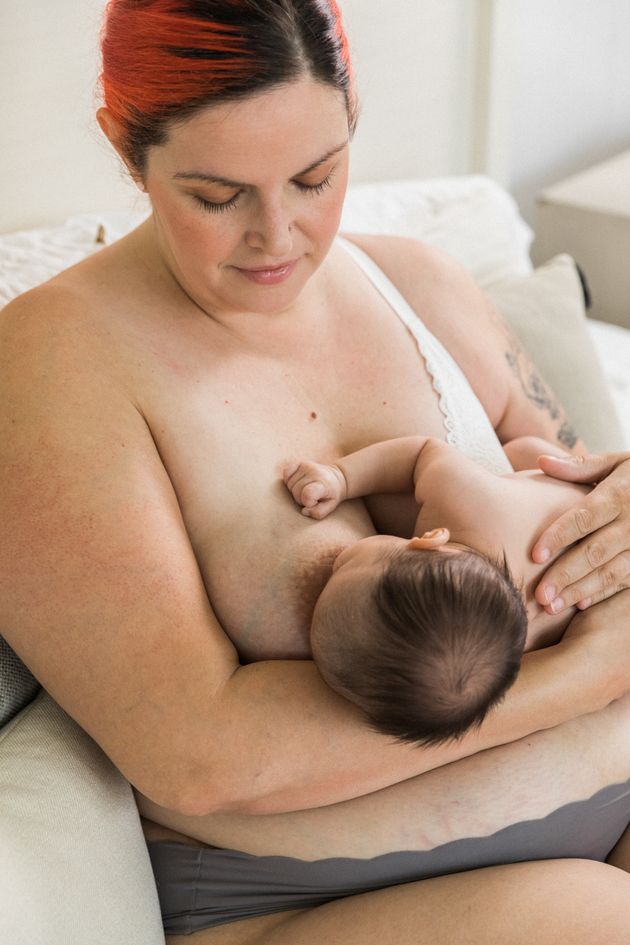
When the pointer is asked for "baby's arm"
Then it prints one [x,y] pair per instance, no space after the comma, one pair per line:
[523,452]
[388,466]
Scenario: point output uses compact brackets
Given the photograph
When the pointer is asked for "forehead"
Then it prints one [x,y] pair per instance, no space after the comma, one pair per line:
[284,129]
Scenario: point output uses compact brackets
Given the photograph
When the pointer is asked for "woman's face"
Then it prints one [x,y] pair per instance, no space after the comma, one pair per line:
[247,196]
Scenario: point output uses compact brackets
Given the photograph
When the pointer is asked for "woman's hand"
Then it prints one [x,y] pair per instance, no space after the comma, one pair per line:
[317,488]
[599,564]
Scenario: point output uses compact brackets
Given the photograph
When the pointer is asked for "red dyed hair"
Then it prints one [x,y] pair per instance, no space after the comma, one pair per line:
[164,59]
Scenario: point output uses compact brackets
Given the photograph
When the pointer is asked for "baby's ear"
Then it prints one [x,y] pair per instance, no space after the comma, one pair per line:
[432,539]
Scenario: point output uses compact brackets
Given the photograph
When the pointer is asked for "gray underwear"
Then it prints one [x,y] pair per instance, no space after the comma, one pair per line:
[201,887]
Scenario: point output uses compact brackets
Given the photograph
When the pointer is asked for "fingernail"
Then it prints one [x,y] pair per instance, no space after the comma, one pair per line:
[583,604]
[557,605]
[549,593]
[543,554]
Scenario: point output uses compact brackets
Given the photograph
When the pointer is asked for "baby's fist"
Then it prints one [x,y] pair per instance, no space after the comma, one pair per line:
[317,488]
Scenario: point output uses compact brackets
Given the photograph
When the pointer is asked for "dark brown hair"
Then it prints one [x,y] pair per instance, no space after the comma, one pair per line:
[164,60]
[434,644]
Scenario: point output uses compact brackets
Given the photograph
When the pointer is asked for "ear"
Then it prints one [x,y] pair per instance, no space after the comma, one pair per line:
[112,130]
[432,539]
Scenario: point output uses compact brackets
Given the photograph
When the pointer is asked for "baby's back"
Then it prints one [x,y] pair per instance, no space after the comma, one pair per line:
[498,515]
[537,500]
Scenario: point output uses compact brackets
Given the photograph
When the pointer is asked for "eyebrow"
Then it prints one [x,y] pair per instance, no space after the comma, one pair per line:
[226,182]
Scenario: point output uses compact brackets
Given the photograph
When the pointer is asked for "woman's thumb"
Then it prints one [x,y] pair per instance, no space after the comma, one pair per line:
[588,468]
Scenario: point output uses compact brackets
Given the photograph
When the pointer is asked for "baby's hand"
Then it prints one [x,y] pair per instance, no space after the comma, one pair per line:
[317,488]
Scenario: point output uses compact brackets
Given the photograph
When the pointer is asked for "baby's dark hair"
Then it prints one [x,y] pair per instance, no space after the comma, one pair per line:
[429,647]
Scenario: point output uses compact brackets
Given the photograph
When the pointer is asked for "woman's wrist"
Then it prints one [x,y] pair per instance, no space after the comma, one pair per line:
[554,685]
[590,672]
[598,639]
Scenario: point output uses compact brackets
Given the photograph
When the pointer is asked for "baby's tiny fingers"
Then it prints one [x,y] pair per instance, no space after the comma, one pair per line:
[289,470]
[321,510]
[312,493]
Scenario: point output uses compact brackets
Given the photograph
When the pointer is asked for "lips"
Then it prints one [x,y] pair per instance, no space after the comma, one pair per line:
[269,276]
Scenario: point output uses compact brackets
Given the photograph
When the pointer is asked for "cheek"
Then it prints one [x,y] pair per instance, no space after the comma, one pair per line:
[323,220]
[199,235]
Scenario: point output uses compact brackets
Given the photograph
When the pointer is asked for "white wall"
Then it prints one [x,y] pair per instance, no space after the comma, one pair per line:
[413,60]
[414,65]
[526,90]
[570,84]
[53,157]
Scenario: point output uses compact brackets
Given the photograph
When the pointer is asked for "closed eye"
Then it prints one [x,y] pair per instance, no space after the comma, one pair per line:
[315,188]
[217,207]
[213,207]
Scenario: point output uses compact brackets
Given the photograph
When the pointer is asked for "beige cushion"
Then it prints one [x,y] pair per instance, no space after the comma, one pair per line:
[74,867]
[546,311]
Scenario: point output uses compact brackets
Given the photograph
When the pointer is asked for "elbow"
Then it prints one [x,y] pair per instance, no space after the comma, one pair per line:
[193,797]
[200,794]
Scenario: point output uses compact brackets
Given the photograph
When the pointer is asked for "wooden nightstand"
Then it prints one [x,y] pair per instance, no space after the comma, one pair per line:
[588,216]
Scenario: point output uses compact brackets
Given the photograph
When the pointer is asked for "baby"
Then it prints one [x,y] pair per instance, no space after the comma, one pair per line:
[426,634]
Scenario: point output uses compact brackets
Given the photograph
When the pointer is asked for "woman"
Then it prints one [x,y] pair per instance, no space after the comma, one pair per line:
[140,391]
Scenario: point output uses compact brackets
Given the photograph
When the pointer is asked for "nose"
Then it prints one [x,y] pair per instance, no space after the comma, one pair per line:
[271,231]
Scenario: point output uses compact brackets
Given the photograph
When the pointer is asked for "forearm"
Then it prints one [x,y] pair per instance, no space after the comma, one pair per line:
[284,741]
[554,685]
[387,466]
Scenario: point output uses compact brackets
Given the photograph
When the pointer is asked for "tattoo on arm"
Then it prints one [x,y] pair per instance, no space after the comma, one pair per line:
[537,391]
[567,435]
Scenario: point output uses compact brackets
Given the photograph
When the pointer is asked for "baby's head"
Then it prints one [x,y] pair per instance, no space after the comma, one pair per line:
[425,639]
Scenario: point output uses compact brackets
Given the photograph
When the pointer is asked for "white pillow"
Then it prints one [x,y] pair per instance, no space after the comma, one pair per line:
[74,866]
[471,218]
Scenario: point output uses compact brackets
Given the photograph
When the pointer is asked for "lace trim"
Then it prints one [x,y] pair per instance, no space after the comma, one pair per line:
[465,421]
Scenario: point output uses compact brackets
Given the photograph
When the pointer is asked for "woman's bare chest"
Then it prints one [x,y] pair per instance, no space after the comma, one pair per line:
[225,427]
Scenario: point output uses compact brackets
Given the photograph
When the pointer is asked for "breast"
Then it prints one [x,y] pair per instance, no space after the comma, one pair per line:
[264,589]
[263,563]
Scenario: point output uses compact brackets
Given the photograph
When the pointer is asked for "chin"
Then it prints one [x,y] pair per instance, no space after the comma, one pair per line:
[269,299]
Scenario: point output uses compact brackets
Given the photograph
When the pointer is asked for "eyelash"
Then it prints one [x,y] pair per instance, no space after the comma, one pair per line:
[312,189]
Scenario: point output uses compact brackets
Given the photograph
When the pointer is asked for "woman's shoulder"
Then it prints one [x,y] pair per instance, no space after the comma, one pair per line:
[451,305]
[57,342]
[80,306]
[436,286]
[404,260]
[47,319]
